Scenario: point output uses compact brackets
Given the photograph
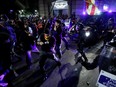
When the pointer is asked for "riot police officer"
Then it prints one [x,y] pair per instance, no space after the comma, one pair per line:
[109,31]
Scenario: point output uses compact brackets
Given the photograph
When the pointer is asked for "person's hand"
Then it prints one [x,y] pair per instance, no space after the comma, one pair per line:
[40,43]
[29,34]
[2,77]
[112,31]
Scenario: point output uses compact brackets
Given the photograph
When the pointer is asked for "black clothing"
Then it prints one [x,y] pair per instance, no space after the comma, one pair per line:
[5,57]
[28,41]
[4,30]
[57,34]
[47,46]
[5,49]
[103,63]
[46,51]
[106,61]
[81,44]
[108,34]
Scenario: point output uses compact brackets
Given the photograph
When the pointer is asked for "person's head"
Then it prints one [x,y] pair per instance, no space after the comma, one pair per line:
[11,22]
[46,34]
[57,23]
[110,21]
[81,26]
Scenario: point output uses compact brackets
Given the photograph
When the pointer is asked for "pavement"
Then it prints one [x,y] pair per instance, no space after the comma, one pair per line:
[68,74]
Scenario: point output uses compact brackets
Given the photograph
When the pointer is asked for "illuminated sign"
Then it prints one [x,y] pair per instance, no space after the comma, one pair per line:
[106,79]
[60,5]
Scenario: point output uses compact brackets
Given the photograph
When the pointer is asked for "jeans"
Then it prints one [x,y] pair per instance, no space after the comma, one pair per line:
[43,57]
[58,50]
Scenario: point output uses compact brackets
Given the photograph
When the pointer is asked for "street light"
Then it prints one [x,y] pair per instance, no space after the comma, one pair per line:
[105,7]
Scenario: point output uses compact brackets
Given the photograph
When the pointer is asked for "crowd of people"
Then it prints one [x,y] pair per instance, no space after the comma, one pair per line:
[25,34]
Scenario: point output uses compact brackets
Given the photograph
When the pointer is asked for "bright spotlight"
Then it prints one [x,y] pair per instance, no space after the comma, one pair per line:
[105,7]
[84,13]
[110,11]
[87,33]
[98,12]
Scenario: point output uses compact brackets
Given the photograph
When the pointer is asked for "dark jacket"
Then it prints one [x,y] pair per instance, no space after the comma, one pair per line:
[5,49]
[48,45]
[106,61]
[57,34]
